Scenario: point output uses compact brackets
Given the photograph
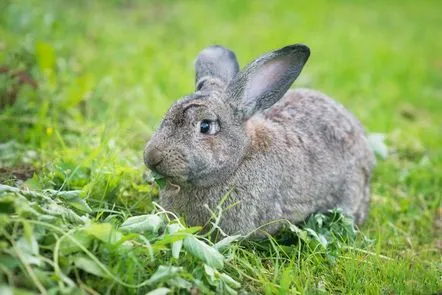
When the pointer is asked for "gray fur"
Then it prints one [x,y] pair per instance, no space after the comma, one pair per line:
[278,155]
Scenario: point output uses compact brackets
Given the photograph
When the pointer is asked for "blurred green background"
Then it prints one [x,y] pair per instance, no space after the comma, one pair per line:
[84,84]
[131,59]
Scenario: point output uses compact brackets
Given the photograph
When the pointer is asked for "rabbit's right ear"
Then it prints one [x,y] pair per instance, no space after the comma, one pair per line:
[215,67]
[264,81]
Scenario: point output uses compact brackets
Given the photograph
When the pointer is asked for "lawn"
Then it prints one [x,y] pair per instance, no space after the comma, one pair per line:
[83,85]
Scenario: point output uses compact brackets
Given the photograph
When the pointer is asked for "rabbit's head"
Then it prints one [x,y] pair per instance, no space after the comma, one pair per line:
[203,138]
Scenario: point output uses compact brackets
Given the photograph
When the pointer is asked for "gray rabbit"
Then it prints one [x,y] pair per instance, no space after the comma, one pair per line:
[262,151]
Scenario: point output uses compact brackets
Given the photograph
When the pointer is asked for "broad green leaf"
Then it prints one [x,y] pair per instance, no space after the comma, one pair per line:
[44,276]
[318,237]
[6,290]
[224,243]
[323,240]
[7,188]
[176,249]
[80,204]
[172,238]
[204,252]
[229,281]
[104,232]
[179,283]
[142,223]
[7,261]
[229,290]
[89,266]
[73,198]
[28,234]
[65,195]
[28,247]
[177,236]
[163,273]
[161,182]
[54,209]
[213,276]
[67,246]
[176,246]
[155,175]
[210,271]
[158,179]
[159,291]
[302,234]
[319,219]
[377,144]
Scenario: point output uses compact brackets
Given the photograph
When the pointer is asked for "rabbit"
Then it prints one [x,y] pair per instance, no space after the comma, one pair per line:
[262,152]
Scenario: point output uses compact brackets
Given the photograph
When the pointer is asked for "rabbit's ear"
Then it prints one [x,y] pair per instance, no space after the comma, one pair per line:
[264,81]
[215,67]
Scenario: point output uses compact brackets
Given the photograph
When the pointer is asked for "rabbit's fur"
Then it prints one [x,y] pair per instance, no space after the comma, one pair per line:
[273,153]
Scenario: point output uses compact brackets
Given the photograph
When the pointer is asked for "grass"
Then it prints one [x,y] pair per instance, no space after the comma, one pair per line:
[106,73]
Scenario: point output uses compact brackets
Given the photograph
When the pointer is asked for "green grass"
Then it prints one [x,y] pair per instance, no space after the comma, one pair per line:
[106,73]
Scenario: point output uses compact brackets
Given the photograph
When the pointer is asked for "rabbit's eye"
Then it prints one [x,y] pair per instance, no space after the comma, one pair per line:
[208,127]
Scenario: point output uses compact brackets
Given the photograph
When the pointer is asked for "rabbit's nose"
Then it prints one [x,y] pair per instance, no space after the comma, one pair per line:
[153,158]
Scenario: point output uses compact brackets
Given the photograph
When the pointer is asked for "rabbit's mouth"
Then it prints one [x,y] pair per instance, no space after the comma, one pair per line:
[186,180]
[171,177]
[165,171]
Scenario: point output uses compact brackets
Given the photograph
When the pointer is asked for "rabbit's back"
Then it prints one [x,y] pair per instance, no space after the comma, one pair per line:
[318,116]
[325,157]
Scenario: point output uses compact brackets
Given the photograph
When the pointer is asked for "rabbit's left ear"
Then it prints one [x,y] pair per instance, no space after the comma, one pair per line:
[264,81]
[215,67]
